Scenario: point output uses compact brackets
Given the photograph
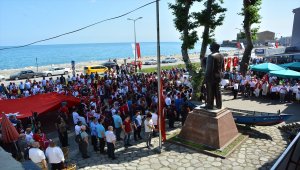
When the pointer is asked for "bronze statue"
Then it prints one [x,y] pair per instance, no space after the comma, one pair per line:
[213,75]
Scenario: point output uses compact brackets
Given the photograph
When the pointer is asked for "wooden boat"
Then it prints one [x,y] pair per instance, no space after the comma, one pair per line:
[258,118]
[255,118]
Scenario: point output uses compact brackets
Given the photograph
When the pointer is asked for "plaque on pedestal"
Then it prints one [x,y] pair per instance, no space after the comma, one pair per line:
[213,128]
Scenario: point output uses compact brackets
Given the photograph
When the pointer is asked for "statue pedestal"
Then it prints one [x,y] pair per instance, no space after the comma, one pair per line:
[213,128]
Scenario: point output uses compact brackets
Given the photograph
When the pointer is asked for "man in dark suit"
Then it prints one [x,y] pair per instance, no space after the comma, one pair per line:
[213,76]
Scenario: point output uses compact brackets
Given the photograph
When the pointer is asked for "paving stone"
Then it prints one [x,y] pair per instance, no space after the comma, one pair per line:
[216,164]
[156,166]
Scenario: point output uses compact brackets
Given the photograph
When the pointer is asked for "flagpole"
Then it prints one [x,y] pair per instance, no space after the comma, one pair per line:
[158,75]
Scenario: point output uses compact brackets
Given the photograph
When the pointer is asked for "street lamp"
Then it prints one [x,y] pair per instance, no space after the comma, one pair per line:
[135,66]
[239,41]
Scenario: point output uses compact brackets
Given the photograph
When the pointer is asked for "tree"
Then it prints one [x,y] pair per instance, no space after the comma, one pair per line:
[250,11]
[184,24]
[211,17]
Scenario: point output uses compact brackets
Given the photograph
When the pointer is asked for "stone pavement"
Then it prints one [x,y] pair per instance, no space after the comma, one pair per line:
[259,151]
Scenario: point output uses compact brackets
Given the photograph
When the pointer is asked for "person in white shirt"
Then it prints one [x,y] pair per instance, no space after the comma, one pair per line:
[78,127]
[149,128]
[235,89]
[27,85]
[75,116]
[29,135]
[295,90]
[155,121]
[55,156]
[168,100]
[37,156]
[282,93]
[111,142]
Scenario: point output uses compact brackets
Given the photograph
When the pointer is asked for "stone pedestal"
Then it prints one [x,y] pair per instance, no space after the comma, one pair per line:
[213,128]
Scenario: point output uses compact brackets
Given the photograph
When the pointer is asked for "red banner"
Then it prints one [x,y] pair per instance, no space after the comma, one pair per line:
[228,63]
[161,114]
[235,61]
[40,103]
[138,50]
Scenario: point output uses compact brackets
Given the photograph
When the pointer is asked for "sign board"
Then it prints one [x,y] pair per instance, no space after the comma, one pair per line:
[259,51]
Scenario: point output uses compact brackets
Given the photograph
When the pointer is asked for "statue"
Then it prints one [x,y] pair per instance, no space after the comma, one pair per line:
[213,75]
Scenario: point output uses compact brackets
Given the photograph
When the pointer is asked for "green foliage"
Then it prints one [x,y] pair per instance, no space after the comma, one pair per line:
[212,16]
[251,8]
[183,21]
[250,11]
[253,34]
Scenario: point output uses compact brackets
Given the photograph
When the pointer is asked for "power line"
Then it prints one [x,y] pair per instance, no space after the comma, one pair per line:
[71,32]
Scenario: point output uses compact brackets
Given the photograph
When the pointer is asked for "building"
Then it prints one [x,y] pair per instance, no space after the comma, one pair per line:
[291,53]
[285,41]
[296,29]
[265,37]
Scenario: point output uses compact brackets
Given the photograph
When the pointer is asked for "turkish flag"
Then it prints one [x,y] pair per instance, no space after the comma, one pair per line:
[235,61]
[138,50]
[228,63]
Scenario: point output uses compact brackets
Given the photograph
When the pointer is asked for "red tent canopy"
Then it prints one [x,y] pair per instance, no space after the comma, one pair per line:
[40,103]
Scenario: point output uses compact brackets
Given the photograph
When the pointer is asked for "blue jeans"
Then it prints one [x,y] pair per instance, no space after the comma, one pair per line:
[126,139]
[118,133]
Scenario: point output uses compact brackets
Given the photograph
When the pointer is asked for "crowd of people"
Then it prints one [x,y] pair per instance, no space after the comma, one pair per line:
[263,85]
[113,107]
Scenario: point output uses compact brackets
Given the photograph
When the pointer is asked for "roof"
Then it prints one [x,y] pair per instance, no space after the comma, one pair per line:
[296,10]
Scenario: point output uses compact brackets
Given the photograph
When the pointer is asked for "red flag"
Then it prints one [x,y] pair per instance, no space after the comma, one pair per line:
[138,50]
[235,61]
[161,114]
[228,63]
[238,45]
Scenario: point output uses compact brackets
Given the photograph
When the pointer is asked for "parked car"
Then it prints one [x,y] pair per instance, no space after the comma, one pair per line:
[2,78]
[100,69]
[109,64]
[150,62]
[25,75]
[56,71]
[169,60]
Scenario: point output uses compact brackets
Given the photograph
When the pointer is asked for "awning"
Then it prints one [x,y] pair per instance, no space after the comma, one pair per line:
[286,74]
[266,67]
[40,103]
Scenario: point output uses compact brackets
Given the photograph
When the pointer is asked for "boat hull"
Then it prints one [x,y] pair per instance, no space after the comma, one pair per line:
[261,120]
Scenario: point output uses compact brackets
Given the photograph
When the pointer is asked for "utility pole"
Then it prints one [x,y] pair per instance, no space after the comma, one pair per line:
[135,66]
[159,76]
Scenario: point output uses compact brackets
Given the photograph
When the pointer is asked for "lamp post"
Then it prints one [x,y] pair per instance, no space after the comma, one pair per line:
[135,66]
[238,39]
[159,76]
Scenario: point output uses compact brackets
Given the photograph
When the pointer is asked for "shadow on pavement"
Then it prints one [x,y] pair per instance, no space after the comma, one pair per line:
[253,133]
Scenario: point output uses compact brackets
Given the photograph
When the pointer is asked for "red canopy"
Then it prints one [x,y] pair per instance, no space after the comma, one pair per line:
[40,103]
[9,132]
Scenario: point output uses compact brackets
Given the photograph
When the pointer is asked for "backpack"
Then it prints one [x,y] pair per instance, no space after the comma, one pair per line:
[78,138]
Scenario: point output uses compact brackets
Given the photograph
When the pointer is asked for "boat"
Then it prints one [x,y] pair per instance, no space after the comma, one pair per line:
[255,118]
[258,118]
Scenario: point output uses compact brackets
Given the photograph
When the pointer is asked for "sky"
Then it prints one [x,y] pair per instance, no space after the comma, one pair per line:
[23,22]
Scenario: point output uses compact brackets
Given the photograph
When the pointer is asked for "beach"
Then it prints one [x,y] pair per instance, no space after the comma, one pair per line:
[79,66]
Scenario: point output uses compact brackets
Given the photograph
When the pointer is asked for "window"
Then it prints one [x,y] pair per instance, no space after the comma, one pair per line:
[29,71]
[86,68]
[96,67]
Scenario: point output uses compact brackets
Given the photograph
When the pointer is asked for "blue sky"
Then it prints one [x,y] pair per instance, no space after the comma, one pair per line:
[25,21]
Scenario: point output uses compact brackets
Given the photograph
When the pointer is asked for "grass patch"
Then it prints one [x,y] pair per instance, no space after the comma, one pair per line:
[214,152]
[166,67]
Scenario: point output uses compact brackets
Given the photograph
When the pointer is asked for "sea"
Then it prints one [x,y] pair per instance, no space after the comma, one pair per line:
[43,55]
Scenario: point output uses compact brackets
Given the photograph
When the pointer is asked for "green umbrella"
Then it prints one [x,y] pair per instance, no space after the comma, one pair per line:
[266,67]
[293,66]
[285,74]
